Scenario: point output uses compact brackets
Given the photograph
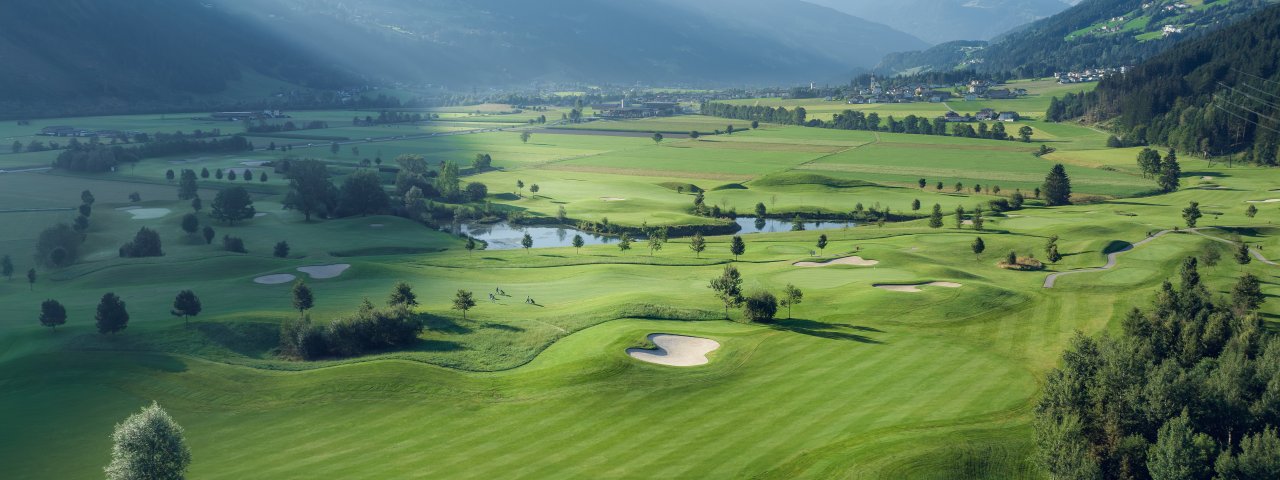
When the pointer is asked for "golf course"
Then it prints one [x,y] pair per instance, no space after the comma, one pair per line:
[912,354]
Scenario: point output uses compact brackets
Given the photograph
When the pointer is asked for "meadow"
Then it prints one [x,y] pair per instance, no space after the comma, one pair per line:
[860,382]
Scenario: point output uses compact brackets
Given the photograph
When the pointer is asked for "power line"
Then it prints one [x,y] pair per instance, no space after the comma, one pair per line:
[1237,91]
[1246,120]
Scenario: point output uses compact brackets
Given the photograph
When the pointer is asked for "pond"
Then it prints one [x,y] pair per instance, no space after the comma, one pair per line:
[769,225]
[504,236]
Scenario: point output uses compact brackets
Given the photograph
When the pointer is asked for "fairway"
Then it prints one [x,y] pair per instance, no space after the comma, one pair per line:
[909,355]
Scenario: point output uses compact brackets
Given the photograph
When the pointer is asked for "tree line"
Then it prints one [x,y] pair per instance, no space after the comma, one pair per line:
[94,157]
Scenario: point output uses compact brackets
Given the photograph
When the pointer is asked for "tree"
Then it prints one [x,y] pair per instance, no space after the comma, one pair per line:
[822,242]
[217,174]
[1242,254]
[146,243]
[231,175]
[728,288]
[760,307]
[204,173]
[1259,457]
[303,300]
[791,296]
[1011,258]
[978,221]
[168,175]
[197,204]
[362,194]
[519,187]
[1025,133]
[6,267]
[922,183]
[476,192]
[402,295]
[470,245]
[978,246]
[1251,211]
[190,223]
[112,316]
[797,224]
[737,247]
[449,181]
[1191,214]
[148,445]
[624,242]
[761,210]
[262,177]
[578,243]
[463,301]
[694,134]
[959,216]
[534,188]
[526,242]
[334,148]
[1057,187]
[1052,254]
[657,138]
[85,210]
[281,249]
[1246,295]
[935,218]
[524,138]
[310,190]
[656,240]
[232,204]
[1169,173]
[186,305]
[915,205]
[52,314]
[17,147]
[1179,452]
[187,187]
[1016,201]
[755,124]
[31,279]
[208,234]
[58,246]
[698,244]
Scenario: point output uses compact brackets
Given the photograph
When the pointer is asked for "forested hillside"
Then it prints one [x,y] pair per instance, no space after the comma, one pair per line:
[1091,34]
[940,21]
[1216,95]
[100,55]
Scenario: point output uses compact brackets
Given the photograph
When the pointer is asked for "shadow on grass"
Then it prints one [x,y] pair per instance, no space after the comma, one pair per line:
[441,324]
[501,326]
[1116,246]
[248,339]
[830,331]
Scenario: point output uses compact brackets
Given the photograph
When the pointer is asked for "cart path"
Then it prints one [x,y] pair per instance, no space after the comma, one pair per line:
[1113,258]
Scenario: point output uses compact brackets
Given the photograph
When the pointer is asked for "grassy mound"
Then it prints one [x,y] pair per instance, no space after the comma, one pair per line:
[788,179]
[681,187]
[730,186]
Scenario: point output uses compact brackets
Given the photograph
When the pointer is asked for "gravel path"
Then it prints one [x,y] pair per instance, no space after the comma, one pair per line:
[1113,257]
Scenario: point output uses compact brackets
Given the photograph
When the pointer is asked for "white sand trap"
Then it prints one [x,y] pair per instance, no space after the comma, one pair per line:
[376,225]
[260,214]
[145,213]
[1206,178]
[613,199]
[274,279]
[675,350]
[916,288]
[254,163]
[325,271]
[854,260]
[966,222]
[1269,200]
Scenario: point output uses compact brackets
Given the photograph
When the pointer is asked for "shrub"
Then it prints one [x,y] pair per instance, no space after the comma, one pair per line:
[58,238]
[760,307]
[233,244]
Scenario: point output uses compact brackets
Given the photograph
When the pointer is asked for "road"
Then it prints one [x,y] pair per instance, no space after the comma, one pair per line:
[1113,258]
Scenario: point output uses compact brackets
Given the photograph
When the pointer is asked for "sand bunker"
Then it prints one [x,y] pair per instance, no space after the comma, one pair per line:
[376,225]
[675,350]
[324,271]
[612,199]
[1206,178]
[916,287]
[1269,200]
[260,214]
[274,279]
[255,163]
[854,260]
[145,213]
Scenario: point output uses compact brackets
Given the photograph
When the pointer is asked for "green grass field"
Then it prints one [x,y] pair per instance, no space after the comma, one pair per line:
[862,382]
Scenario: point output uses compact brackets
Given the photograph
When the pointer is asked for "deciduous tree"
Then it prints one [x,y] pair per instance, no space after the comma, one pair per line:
[737,247]
[148,445]
[52,314]
[791,296]
[231,205]
[728,288]
[463,301]
[186,305]
[111,316]
[303,299]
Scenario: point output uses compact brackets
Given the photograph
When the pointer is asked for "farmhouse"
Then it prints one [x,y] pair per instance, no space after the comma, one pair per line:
[1009,117]
[956,117]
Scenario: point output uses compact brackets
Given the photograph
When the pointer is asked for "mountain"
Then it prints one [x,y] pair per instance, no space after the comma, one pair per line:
[940,57]
[500,42]
[101,55]
[939,21]
[1109,33]
[1214,95]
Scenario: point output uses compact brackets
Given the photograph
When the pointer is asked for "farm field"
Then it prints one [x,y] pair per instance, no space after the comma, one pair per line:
[857,381]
